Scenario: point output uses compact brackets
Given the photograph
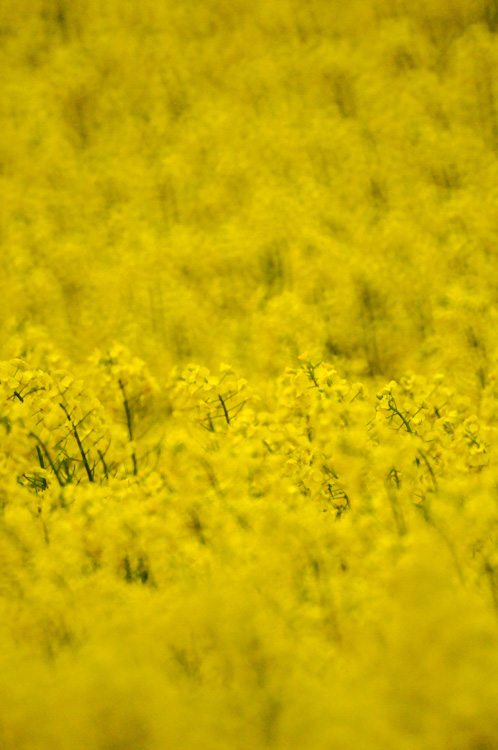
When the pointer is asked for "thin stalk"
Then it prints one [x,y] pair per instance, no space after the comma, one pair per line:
[224,408]
[129,423]
[47,456]
[79,444]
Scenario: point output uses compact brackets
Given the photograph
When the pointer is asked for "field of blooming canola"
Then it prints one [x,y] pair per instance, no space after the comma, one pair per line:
[249,375]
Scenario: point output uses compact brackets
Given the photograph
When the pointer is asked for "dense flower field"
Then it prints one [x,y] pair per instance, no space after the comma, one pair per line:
[249,375]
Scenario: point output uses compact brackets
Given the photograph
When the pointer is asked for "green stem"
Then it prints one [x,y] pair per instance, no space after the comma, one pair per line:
[48,457]
[79,444]
[129,423]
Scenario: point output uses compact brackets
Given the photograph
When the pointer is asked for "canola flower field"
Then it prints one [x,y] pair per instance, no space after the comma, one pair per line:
[249,375]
